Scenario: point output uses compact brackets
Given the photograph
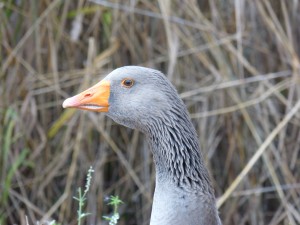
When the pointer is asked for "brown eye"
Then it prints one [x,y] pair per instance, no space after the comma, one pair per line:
[127,83]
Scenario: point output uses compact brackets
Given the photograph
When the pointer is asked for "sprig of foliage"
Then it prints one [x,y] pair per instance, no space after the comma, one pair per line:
[82,197]
[115,201]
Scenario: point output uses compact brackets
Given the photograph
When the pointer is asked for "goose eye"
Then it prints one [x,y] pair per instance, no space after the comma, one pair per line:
[127,83]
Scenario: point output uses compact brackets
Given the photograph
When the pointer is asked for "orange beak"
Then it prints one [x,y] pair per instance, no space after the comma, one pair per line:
[93,99]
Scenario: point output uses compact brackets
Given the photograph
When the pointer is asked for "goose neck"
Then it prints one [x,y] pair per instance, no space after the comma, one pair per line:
[176,152]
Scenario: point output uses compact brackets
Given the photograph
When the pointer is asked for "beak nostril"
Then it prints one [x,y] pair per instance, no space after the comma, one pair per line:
[88,95]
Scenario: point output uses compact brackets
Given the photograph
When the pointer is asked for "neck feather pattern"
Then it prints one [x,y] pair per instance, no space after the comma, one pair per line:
[176,151]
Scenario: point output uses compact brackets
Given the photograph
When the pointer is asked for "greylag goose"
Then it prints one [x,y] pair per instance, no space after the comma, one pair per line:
[144,99]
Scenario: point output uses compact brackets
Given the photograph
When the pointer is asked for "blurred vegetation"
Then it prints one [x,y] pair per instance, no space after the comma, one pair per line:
[235,63]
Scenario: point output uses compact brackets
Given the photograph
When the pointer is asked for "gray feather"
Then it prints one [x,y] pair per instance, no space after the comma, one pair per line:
[183,193]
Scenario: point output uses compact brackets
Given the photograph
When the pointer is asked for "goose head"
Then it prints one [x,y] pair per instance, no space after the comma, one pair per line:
[143,99]
[129,95]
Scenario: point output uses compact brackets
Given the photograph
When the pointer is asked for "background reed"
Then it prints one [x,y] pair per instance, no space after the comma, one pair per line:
[235,63]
